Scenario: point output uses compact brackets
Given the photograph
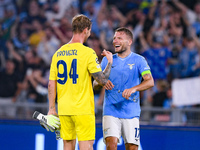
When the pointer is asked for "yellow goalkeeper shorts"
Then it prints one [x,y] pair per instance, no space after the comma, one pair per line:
[80,126]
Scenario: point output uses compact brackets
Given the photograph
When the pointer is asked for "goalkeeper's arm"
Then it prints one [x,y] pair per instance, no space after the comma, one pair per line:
[52,96]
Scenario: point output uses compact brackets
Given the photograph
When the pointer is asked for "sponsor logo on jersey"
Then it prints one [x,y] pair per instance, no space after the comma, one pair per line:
[147,68]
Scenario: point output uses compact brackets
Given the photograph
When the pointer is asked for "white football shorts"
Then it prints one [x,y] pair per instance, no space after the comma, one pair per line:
[127,128]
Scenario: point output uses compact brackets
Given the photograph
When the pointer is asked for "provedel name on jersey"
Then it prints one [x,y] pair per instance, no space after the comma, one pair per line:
[67,52]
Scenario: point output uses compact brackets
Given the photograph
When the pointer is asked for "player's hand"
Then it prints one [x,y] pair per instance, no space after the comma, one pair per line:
[50,122]
[109,85]
[44,125]
[127,92]
[52,111]
[108,55]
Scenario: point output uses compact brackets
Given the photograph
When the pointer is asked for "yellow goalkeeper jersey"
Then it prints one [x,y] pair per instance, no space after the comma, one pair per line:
[72,66]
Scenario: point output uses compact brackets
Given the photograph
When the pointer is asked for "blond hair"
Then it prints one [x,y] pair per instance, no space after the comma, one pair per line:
[80,22]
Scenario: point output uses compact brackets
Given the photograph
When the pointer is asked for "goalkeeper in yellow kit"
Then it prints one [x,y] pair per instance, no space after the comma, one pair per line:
[70,78]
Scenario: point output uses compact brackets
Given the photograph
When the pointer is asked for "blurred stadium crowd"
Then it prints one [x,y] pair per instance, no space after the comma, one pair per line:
[166,33]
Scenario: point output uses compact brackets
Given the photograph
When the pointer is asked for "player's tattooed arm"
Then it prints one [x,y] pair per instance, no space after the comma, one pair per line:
[105,74]
[144,85]
[101,79]
[109,57]
[147,82]
[96,85]
[107,70]
[147,76]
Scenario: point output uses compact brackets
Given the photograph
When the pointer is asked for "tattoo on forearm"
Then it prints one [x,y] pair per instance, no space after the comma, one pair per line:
[100,78]
[52,107]
[146,76]
[107,70]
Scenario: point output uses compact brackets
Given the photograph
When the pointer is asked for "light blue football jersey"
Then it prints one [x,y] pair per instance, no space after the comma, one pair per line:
[125,73]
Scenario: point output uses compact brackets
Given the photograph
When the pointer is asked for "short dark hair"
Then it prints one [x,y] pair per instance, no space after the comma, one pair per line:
[126,31]
[80,22]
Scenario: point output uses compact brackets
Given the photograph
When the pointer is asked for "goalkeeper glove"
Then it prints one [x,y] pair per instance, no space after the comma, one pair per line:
[49,122]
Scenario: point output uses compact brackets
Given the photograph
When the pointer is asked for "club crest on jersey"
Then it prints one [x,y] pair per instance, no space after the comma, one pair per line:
[131,66]
[106,131]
